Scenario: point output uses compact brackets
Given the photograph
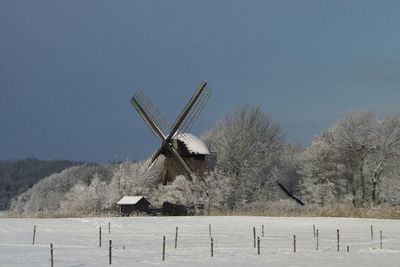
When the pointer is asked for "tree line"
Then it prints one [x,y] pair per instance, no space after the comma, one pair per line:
[354,162]
[18,176]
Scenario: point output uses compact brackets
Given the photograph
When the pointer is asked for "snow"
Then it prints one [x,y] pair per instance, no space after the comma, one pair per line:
[129,200]
[76,241]
[192,143]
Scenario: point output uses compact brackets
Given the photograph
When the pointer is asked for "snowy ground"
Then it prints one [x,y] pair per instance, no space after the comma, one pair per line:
[76,242]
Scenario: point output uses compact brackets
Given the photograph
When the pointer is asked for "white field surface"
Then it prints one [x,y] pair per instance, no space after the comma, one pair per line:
[76,241]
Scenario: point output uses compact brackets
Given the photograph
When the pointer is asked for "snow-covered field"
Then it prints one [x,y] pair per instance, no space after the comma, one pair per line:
[76,241]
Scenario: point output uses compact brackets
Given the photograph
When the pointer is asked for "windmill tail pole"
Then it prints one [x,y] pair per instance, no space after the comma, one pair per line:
[290,194]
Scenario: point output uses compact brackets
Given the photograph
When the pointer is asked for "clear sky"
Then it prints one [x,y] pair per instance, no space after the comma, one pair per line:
[69,68]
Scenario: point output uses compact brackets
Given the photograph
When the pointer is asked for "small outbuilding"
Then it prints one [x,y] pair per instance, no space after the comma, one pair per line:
[172,209]
[131,204]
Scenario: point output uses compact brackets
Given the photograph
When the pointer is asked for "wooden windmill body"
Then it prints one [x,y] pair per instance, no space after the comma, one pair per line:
[193,152]
[184,153]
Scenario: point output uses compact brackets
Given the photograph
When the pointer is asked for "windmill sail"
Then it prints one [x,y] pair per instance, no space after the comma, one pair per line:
[192,109]
[150,113]
[159,125]
[194,113]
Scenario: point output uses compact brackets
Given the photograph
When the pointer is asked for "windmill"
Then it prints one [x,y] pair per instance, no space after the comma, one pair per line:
[185,153]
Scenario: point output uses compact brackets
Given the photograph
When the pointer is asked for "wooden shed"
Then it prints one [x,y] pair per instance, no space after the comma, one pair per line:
[131,204]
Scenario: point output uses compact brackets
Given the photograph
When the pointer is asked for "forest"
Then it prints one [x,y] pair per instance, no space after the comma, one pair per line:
[353,164]
[18,176]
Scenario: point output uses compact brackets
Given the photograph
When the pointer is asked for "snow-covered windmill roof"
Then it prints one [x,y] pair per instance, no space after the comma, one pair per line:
[129,200]
[192,143]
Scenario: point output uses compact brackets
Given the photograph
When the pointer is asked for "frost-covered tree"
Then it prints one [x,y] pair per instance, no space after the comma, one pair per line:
[16,177]
[49,192]
[86,199]
[220,190]
[325,171]
[135,178]
[290,164]
[354,156]
[357,132]
[386,152]
[390,184]
[246,147]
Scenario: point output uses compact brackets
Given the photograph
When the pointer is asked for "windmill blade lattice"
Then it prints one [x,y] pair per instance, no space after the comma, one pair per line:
[152,112]
[196,110]
[159,125]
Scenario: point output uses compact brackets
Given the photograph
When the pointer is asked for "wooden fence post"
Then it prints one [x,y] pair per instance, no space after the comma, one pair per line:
[99,236]
[380,237]
[163,249]
[372,232]
[348,248]
[258,245]
[294,243]
[34,235]
[51,255]
[109,228]
[109,252]
[313,226]
[262,230]
[254,236]
[337,233]
[317,236]
[209,229]
[176,237]
[212,246]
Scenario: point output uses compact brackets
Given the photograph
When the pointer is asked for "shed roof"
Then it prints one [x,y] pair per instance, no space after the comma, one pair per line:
[192,143]
[130,200]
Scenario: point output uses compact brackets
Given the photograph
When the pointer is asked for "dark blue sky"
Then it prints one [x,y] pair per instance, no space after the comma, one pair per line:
[69,68]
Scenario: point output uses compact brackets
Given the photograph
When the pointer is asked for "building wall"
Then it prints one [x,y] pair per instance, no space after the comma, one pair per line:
[172,168]
[141,206]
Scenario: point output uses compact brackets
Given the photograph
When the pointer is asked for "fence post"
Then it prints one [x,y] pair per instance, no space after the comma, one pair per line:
[176,237]
[163,249]
[209,229]
[380,235]
[254,236]
[258,245]
[348,248]
[99,236]
[51,255]
[317,236]
[337,233]
[294,243]
[313,226]
[212,246]
[109,252]
[263,230]
[109,228]
[34,235]
[372,232]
